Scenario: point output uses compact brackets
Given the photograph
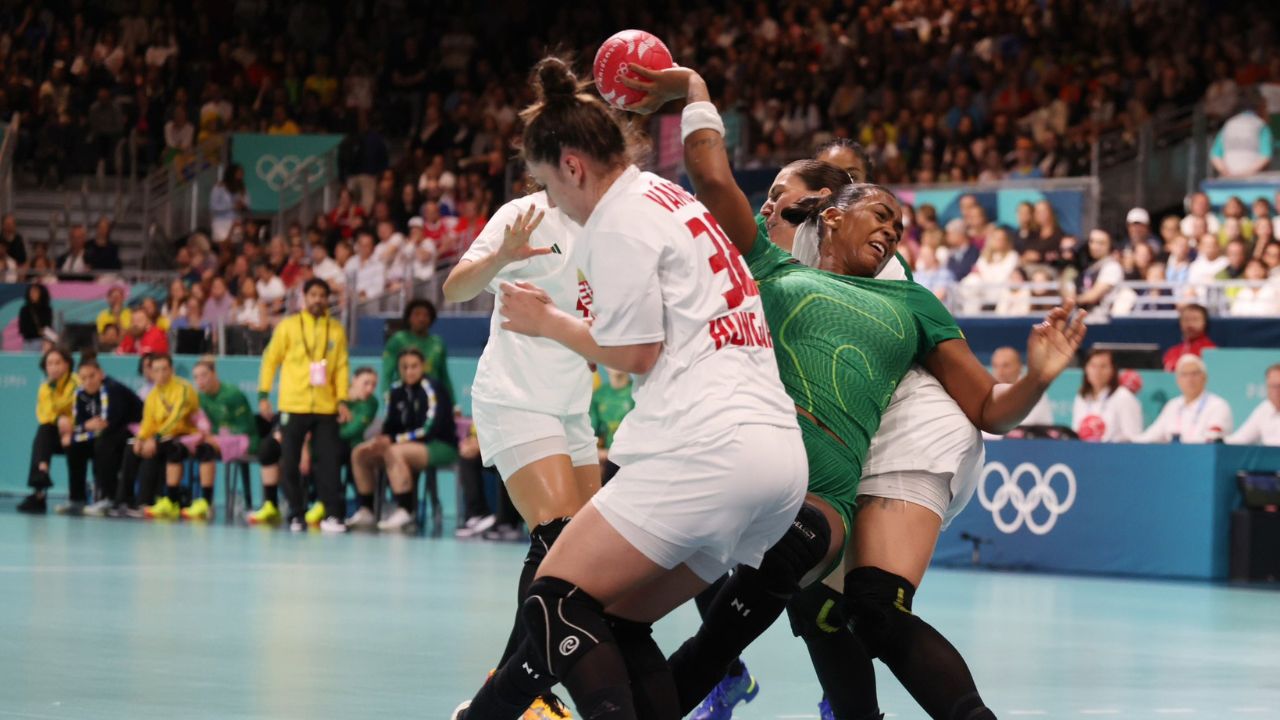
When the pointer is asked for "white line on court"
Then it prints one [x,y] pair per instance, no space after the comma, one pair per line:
[1174,711]
[1027,712]
[1100,711]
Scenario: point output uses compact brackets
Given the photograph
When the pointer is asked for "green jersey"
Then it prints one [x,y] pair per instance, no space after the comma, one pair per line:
[608,406]
[228,409]
[843,344]
[362,414]
[435,364]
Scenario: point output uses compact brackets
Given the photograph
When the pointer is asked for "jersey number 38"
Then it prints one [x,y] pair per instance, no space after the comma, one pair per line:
[727,259]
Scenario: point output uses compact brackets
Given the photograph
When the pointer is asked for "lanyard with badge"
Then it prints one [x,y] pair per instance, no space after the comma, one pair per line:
[319,368]
[1195,419]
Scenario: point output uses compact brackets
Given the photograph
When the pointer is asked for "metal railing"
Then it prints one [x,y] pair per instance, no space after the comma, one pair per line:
[175,199]
[1130,299]
[7,147]
[312,187]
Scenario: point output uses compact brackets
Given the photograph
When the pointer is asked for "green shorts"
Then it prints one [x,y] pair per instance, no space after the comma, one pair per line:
[440,453]
[834,472]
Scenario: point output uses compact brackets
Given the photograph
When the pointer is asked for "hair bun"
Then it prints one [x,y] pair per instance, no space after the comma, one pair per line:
[806,208]
[554,80]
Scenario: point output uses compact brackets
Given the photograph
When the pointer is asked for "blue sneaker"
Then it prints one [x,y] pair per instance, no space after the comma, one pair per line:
[731,691]
[824,710]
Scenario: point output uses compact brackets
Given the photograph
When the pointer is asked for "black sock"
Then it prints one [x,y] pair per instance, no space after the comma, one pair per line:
[174,493]
[703,602]
[207,494]
[405,501]
[935,674]
[366,501]
[541,538]
[652,685]
[271,493]
[511,689]
[845,672]
[741,612]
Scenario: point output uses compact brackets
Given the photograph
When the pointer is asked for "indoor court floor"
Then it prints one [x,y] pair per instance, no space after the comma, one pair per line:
[110,619]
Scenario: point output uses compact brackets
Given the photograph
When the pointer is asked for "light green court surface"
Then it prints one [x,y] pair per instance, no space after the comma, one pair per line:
[110,619]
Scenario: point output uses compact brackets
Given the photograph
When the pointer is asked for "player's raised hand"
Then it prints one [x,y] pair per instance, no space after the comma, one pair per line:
[660,86]
[1053,344]
[515,238]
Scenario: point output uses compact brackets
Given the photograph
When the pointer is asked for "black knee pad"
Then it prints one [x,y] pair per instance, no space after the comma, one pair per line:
[269,451]
[816,610]
[173,451]
[564,623]
[206,454]
[542,537]
[879,606]
[799,551]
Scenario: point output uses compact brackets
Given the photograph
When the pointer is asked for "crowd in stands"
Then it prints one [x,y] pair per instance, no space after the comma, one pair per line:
[1155,266]
[937,91]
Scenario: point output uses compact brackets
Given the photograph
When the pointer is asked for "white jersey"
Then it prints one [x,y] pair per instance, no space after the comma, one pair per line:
[1205,420]
[525,372]
[1262,427]
[663,271]
[1114,417]
[922,429]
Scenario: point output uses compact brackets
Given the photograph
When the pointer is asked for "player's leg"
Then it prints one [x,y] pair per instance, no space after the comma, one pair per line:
[817,615]
[404,460]
[201,508]
[43,447]
[269,454]
[294,429]
[366,461]
[893,544]
[751,599]
[173,454]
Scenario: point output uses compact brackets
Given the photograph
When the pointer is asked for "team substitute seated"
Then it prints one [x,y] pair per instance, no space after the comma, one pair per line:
[100,432]
[1196,416]
[418,433]
[1263,425]
[55,401]
[229,414]
[168,414]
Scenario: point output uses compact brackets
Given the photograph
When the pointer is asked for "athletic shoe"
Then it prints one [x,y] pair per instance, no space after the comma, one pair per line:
[731,691]
[824,710]
[198,510]
[332,526]
[400,520]
[315,514]
[297,525]
[503,533]
[265,515]
[547,707]
[33,505]
[164,509]
[133,512]
[460,712]
[475,526]
[99,509]
[362,519]
[75,508]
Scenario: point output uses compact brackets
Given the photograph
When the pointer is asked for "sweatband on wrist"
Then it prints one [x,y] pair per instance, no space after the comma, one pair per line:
[700,116]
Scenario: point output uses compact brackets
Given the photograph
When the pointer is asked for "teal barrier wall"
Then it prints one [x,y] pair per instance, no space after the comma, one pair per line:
[1236,375]
[20,379]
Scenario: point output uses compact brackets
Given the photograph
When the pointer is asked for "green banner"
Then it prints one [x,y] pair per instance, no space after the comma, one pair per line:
[269,161]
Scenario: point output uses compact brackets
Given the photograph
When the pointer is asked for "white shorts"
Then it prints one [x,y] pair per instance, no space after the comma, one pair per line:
[712,505]
[511,438]
[945,493]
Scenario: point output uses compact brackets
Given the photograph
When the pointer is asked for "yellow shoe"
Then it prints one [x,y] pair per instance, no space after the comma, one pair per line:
[198,510]
[265,515]
[542,710]
[164,509]
[315,514]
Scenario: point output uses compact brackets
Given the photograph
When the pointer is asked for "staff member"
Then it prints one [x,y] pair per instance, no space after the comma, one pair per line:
[1263,425]
[1197,416]
[103,412]
[310,350]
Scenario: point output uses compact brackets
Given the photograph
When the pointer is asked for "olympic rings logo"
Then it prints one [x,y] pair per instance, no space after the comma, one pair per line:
[1026,502]
[274,171]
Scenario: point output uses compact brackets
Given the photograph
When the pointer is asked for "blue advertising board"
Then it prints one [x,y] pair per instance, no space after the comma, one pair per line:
[1158,511]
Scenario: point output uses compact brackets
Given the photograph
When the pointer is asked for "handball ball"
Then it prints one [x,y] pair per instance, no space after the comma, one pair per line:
[613,58]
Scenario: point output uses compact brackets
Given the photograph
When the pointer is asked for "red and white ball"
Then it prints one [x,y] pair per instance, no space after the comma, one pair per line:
[614,57]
